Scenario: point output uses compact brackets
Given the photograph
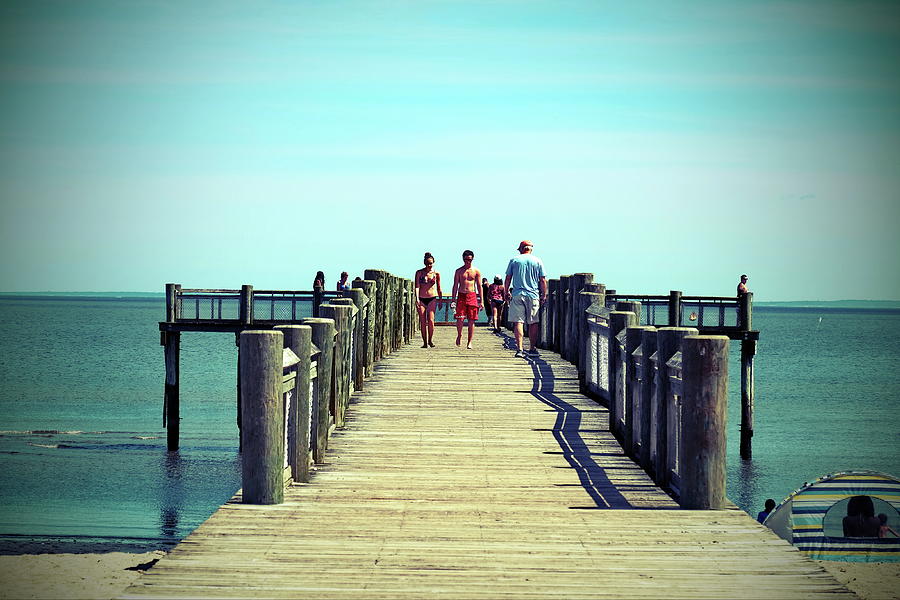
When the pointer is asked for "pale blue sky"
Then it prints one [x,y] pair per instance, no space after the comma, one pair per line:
[659,145]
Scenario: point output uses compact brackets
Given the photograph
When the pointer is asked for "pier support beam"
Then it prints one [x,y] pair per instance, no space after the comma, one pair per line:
[262,462]
[748,352]
[171,407]
[702,457]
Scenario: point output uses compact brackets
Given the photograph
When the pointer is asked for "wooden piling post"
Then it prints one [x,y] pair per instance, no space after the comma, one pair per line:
[359,347]
[172,292]
[748,352]
[702,455]
[552,314]
[246,307]
[618,320]
[171,401]
[585,300]
[648,347]
[668,342]
[577,283]
[380,297]
[262,461]
[318,299]
[630,306]
[562,319]
[632,436]
[369,287]
[323,338]
[299,339]
[341,317]
[674,308]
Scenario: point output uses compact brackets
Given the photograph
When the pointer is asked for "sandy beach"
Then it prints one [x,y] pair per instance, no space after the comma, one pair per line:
[104,576]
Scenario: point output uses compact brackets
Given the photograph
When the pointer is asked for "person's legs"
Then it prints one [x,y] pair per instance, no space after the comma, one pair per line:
[471,333]
[519,333]
[459,326]
[497,314]
[431,309]
[423,325]
[532,334]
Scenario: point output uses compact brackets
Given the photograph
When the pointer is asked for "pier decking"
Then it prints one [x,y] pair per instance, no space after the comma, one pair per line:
[496,481]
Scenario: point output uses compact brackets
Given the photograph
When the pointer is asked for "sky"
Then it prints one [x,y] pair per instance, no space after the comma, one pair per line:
[659,145]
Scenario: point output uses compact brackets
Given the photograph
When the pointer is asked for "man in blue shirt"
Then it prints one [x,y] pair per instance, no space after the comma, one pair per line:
[527,290]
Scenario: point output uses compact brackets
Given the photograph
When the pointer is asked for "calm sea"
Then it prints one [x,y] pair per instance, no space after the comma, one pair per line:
[83,448]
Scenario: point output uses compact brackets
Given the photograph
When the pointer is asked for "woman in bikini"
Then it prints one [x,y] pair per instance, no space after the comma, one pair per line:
[428,290]
[497,295]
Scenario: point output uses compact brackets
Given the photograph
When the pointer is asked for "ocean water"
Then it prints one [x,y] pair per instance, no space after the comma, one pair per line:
[83,455]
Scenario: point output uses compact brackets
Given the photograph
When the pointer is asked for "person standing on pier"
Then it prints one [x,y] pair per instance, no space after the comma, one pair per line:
[428,289]
[742,286]
[467,291]
[526,283]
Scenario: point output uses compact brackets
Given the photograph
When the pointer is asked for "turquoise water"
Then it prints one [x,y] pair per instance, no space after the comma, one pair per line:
[83,448]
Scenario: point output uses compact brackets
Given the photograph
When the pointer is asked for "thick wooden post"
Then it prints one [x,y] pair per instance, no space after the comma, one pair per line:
[359,345]
[246,308]
[562,319]
[171,402]
[381,293]
[341,317]
[618,320]
[648,347]
[323,338]
[674,308]
[172,292]
[369,287]
[576,283]
[585,300]
[668,342]
[633,336]
[748,352]
[630,306]
[702,457]
[745,311]
[299,339]
[553,314]
[318,299]
[262,461]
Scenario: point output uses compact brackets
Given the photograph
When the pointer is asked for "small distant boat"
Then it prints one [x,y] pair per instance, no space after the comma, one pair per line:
[813,517]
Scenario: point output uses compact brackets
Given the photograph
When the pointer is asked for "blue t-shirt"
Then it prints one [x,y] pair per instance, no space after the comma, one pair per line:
[526,271]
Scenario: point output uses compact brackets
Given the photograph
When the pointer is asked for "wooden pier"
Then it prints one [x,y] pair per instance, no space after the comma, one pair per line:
[475,474]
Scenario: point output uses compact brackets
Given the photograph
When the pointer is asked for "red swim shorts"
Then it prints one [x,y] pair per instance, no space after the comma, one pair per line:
[467,306]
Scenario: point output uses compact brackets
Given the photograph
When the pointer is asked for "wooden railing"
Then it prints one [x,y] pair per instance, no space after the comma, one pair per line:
[301,355]
[665,385]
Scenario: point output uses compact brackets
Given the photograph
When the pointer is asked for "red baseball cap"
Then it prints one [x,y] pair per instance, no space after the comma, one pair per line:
[524,243]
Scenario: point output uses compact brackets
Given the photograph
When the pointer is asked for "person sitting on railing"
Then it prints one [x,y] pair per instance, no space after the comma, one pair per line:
[742,286]
[319,281]
[342,283]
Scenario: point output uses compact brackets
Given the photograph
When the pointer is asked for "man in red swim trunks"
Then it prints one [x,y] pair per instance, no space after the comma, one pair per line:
[467,291]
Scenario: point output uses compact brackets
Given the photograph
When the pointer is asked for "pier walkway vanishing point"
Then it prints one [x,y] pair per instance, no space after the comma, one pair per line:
[470,473]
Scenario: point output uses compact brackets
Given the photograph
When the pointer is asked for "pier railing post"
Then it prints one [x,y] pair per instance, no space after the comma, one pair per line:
[648,349]
[380,297]
[172,292]
[632,437]
[562,320]
[585,301]
[359,334]
[323,338]
[630,306]
[552,314]
[748,352]
[369,287]
[246,307]
[341,317]
[262,461]
[702,455]
[668,342]
[674,308]
[171,341]
[299,339]
[618,321]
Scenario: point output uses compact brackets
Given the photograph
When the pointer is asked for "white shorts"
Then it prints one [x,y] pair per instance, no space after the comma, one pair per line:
[523,309]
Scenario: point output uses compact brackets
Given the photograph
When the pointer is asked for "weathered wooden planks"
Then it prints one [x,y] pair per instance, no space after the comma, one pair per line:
[475,474]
